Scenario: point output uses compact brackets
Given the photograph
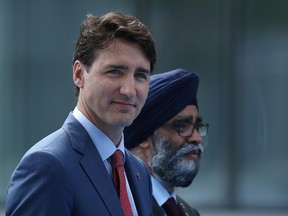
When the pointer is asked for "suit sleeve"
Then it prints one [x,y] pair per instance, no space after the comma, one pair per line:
[39,186]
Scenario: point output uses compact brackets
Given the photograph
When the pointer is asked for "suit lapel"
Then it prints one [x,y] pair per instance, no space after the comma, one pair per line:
[157,210]
[93,165]
[134,178]
[101,180]
[131,174]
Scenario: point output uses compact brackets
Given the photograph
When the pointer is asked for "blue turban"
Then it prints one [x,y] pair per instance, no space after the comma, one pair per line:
[169,93]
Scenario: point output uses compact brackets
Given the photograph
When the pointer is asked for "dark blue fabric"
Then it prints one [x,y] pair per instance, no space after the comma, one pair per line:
[64,175]
[169,93]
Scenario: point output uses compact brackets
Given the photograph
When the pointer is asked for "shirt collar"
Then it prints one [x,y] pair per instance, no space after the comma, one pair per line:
[103,143]
[160,194]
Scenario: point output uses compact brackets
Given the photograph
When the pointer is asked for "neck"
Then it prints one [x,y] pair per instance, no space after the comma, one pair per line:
[169,187]
[113,132]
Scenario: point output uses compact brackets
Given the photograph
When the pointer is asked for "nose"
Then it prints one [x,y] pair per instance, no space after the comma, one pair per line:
[128,87]
[195,137]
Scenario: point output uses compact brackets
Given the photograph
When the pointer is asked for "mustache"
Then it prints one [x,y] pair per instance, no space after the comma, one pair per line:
[188,148]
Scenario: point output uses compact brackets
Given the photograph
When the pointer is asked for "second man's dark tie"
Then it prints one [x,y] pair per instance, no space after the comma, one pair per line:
[171,207]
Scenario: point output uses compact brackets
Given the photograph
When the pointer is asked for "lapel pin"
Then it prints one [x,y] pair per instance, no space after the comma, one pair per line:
[138,176]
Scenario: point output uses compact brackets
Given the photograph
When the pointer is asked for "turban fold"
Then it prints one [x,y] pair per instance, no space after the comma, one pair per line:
[169,93]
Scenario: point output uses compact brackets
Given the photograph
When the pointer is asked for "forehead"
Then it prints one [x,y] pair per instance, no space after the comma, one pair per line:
[122,51]
[189,111]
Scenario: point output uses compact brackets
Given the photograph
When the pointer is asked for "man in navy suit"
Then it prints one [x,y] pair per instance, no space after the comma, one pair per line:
[69,171]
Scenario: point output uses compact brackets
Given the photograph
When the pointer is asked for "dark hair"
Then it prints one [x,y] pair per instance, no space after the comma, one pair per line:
[97,33]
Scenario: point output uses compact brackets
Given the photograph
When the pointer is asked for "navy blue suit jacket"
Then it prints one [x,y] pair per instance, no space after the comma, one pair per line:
[63,174]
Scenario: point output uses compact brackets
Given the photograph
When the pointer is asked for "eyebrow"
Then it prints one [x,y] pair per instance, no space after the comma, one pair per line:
[188,119]
[183,119]
[114,66]
[143,70]
[125,67]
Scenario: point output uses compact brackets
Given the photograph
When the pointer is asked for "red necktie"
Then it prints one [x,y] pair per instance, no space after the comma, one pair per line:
[171,207]
[117,163]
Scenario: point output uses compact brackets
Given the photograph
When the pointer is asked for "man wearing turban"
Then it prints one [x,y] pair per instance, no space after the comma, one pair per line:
[167,136]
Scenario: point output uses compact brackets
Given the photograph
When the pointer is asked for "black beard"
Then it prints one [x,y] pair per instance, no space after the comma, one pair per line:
[169,164]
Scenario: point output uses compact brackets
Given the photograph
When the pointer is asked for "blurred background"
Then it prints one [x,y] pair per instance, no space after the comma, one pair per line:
[238,47]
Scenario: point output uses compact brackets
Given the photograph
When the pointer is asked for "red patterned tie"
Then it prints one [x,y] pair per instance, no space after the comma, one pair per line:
[117,163]
[171,207]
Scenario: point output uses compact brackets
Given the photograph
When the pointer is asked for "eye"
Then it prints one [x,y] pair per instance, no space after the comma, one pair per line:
[198,124]
[142,75]
[181,127]
[114,71]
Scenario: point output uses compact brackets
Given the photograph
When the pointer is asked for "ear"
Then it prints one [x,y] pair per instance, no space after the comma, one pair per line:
[145,150]
[146,144]
[78,73]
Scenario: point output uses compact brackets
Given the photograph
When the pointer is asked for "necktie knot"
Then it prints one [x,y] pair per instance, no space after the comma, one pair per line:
[171,207]
[117,159]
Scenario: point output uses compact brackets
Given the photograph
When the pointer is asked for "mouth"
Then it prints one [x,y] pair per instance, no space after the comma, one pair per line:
[195,154]
[124,105]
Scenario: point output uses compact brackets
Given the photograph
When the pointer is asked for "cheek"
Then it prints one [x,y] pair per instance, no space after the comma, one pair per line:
[96,93]
[145,90]
[175,142]
[143,93]
[176,146]
[170,134]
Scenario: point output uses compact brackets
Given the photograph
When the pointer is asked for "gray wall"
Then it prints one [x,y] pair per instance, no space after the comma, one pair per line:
[238,47]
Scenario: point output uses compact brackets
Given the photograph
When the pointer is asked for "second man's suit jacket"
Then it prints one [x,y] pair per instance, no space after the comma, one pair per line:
[184,208]
[64,175]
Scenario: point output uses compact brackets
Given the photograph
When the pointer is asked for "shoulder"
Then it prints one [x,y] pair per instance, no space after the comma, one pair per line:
[38,178]
[185,208]
[52,145]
